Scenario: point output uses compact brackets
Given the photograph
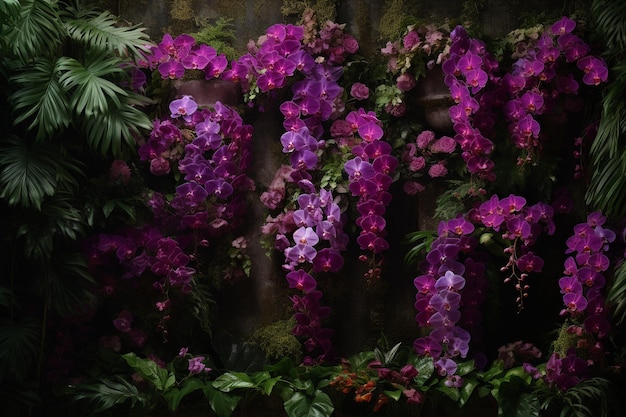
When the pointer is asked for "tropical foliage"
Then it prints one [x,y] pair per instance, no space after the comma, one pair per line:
[68,107]
[126,211]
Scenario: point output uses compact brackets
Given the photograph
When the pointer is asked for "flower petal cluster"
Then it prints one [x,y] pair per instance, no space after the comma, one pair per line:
[172,57]
[524,96]
[370,174]
[426,157]
[450,292]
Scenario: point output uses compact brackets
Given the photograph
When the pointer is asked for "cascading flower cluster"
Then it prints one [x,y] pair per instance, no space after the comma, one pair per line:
[534,89]
[453,283]
[468,68]
[519,225]
[209,151]
[370,176]
[173,57]
[583,298]
[447,302]
[316,219]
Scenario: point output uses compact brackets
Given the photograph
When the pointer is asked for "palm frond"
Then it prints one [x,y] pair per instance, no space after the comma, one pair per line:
[108,132]
[105,394]
[59,217]
[104,33]
[90,83]
[607,189]
[19,346]
[67,285]
[9,11]
[40,98]
[616,295]
[613,122]
[38,31]
[610,16]
[28,174]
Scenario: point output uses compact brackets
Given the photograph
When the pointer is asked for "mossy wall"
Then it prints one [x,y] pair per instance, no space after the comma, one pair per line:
[371,22]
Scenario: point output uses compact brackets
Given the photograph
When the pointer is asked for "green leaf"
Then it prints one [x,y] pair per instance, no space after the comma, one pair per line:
[38,30]
[222,403]
[394,395]
[425,367]
[467,389]
[150,371]
[91,90]
[302,405]
[264,381]
[39,98]
[103,31]
[19,346]
[231,381]
[452,392]
[68,285]
[107,393]
[465,368]
[174,396]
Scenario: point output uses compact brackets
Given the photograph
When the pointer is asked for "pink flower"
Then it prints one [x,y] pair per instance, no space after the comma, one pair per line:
[119,171]
[350,44]
[411,40]
[445,144]
[405,82]
[159,166]
[417,164]
[425,138]
[437,170]
[359,91]
[196,365]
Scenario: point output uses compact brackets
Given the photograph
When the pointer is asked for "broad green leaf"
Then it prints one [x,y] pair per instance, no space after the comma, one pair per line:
[149,369]
[175,395]
[302,405]
[425,369]
[452,392]
[222,403]
[465,368]
[232,380]
[394,395]
[467,389]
